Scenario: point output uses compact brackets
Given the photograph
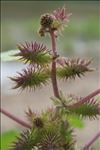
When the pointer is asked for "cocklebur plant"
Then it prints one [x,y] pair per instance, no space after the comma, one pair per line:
[52,129]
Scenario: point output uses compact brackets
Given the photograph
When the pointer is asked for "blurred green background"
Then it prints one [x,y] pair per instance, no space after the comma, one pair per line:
[20,22]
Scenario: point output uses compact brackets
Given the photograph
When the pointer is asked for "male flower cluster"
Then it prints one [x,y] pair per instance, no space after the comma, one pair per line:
[54,22]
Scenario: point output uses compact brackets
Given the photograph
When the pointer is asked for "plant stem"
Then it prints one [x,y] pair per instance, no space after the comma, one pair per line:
[21,122]
[53,71]
[87,146]
[85,99]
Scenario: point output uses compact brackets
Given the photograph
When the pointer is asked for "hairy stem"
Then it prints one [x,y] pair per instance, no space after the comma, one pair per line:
[21,122]
[53,71]
[87,146]
[85,99]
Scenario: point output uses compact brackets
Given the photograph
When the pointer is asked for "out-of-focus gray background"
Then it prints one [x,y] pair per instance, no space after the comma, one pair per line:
[19,23]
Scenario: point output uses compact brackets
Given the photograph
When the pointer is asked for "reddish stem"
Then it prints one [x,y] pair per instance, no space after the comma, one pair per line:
[85,99]
[87,146]
[21,122]
[53,71]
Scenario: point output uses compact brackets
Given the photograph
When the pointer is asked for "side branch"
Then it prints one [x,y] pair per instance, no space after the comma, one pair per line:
[87,146]
[85,99]
[19,121]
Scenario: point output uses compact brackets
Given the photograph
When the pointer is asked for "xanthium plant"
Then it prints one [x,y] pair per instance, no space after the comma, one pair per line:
[53,128]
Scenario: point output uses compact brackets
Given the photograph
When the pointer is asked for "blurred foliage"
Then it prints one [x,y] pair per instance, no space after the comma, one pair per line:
[26,30]
[87,28]
[7,56]
[19,21]
[7,138]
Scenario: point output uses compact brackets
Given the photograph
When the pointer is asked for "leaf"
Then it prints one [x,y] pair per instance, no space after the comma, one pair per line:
[75,121]
[8,137]
[8,55]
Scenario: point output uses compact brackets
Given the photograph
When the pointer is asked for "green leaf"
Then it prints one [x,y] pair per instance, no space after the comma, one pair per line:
[7,138]
[75,121]
[8,55]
